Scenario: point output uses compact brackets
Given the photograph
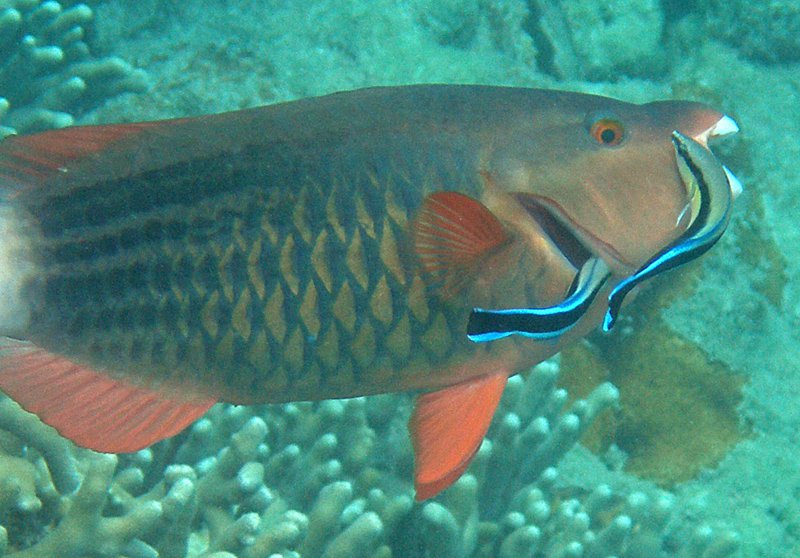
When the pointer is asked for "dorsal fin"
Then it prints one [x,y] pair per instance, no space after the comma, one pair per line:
[89,407]
[28,160]
[453,234]
[447,428]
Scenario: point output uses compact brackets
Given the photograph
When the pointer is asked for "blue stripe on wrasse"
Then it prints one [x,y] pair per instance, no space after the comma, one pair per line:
[697,163]
[541,323]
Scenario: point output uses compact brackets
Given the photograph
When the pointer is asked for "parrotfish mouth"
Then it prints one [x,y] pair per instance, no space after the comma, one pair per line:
[711,188]
[575,243]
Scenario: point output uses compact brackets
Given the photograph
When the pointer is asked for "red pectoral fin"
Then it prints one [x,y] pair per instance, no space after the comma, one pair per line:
[453,234]
[447,428]
[90,408]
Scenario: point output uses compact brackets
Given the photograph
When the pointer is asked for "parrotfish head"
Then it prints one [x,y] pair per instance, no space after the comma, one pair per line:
[600,177]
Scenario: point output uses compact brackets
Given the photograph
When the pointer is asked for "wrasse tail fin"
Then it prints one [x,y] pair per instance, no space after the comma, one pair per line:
[90,408]
[27,160]
[447,428]
[452,235]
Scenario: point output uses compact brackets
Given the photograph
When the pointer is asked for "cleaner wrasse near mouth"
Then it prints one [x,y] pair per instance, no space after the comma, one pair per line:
[715,187]
[325,248]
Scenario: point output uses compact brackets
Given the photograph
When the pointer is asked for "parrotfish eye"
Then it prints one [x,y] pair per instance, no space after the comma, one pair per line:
[607,131]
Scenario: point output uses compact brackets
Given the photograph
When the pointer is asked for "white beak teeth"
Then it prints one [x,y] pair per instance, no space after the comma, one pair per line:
[725,126]
[733,182]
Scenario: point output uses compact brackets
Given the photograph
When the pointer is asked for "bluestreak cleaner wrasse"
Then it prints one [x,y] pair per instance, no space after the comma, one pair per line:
[542,323]
[322,248]
[715,188]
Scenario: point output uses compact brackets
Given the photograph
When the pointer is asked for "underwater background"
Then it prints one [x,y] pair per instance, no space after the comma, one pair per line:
[687,413]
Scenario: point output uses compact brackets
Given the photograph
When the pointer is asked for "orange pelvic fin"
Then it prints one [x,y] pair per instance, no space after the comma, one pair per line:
[447,428]
[90,408]
[27,160]
[453,234]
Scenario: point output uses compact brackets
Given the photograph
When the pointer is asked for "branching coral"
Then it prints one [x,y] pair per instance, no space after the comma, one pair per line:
[47,70]
[332,479]
[55,449]
[85,531]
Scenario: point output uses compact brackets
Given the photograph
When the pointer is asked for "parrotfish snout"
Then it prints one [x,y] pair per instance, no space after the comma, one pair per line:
[714,188]
[710,190]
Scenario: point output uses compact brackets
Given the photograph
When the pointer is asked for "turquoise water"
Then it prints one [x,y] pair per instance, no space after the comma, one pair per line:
[334,479]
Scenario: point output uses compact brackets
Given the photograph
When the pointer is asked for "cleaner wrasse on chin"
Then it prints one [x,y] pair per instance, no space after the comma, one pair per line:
[334,247]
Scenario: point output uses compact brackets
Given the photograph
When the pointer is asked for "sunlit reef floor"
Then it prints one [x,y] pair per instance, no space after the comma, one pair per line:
[695,453]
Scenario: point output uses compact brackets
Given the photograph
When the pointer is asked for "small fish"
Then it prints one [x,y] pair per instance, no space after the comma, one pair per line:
[542,323]
[324,248]
[715,186]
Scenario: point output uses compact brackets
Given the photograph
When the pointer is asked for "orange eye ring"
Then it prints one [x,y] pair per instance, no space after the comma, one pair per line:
[608,132]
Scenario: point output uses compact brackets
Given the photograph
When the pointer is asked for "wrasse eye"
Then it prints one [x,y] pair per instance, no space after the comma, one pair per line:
[607,131]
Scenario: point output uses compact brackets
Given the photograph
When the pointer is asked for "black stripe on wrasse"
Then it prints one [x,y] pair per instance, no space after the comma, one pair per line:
[542,323]
[703,212]
[708,226]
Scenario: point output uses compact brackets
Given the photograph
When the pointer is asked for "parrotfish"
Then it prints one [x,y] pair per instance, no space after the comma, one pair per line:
[335,247]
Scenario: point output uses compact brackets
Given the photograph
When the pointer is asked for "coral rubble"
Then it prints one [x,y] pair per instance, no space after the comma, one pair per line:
[765,31]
